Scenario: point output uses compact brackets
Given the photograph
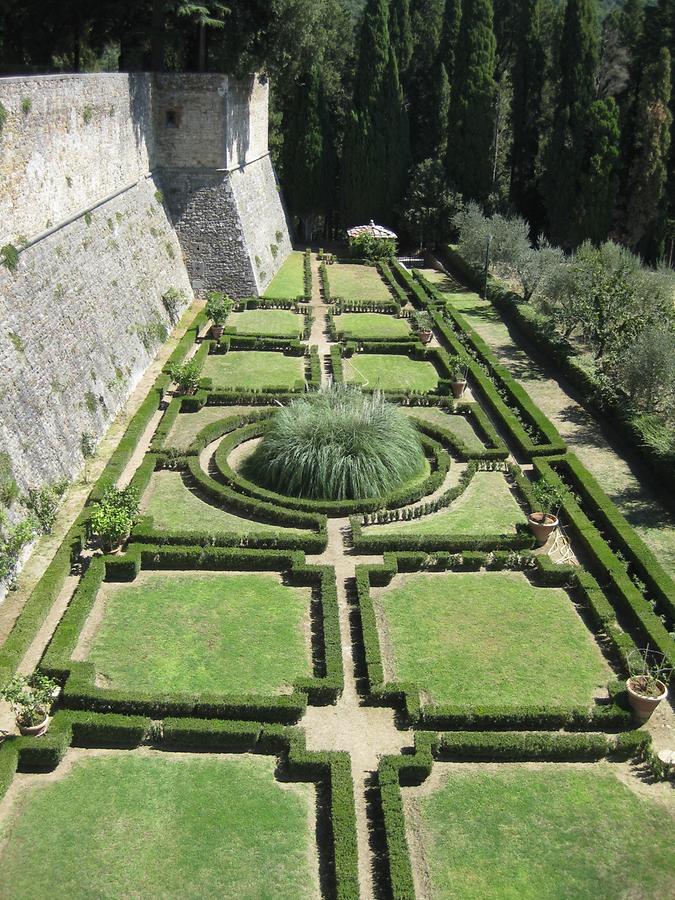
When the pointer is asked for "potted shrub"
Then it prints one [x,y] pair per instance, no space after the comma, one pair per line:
[31,699]
[647,682]
[543,521]
[457,380]
[113,517]
[186,377]
[218,308]
[423,323]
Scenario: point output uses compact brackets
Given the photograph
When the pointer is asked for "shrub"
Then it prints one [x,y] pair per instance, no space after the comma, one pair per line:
[9,257]
[218,307]
[186,375]
[173,299]
[44,503]
[365,246]
[30,698]
[112,518]
[338,444]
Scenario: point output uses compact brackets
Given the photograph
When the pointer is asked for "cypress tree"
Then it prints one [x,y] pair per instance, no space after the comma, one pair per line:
[375,150]
[567,154]
[526,111]
[599,180]
[428,86]
[400,35]
[452,20]
[309,152]
[647,200]
[472,103]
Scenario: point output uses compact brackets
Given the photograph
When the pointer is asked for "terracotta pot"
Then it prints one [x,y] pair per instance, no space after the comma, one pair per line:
[33,730]
[542,526]
[425,335]
[643,706]
[458,388]
[217,331]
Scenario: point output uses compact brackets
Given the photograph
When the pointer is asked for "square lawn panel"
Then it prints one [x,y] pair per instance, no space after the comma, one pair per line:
[370,326]
[253,369]
[199,632]
[152,824]
[544,831]
[175,508]
[390,372]
[267,322]
[487,506]
[289,283]
[354,282]
[489,638]
[188,425]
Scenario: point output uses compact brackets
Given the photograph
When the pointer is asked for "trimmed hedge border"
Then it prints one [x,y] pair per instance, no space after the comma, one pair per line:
[80,691]
[75,728]
[605,717]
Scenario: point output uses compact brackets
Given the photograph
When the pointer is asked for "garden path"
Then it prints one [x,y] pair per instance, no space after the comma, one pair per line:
[615,472]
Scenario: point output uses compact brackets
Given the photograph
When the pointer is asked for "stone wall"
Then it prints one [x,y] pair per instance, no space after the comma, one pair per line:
[82,318]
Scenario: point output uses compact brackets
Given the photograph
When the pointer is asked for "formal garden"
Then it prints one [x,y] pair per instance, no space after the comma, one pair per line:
[378,526]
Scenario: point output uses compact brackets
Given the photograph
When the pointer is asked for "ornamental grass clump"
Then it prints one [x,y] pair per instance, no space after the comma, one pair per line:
[338,444]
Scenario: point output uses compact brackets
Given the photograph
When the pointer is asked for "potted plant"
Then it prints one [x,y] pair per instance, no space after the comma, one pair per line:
[423,323]
[546,500]
[31,699]
[647,682]
[113,517]
[457,380]
[218,308]
[186,377]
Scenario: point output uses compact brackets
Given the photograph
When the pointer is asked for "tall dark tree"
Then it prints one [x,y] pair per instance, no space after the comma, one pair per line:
[375,151]
[400,35]
[526,112]
[309,153]
[646,209]
[427,84]
[472,103]
[599,180]
[452,21]
[567,154]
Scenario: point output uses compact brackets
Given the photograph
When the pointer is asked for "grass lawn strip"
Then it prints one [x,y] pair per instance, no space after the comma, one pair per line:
[370,326]
[253,369]
[488,638]
[155,824]
[390,372]
[266,322]
[196,632]
[540,830]
[188,425]
[487,506]
[456,424]
[175,508]
[288,283]
[355,282]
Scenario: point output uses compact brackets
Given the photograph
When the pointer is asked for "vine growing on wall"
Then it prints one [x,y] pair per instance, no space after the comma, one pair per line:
[9,257]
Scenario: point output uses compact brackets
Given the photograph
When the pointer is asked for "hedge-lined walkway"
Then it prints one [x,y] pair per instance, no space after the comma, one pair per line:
[577,426]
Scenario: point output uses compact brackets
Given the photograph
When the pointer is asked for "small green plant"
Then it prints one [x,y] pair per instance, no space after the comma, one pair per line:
[3,116]
[186,376]
[44,503]
[13,538]
[159,196]
[218,307]
[170,252]
[26,105]
[113,517]
[173,299]
[87,114]
[17,341]
[9,490]
[91,402]
[9,256]
[274,250]
[278,236]
[547,497]
[457,371]
[69,181]
[87,449]
[87,218]
[422,321]
[30,697]
[647,668]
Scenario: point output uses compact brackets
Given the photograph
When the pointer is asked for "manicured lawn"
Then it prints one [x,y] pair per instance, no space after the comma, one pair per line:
[188,425]
[267,322]
[490,638]
[288,283]
[353,282]
[174,507]
[156,825]
[487,506]
[253,369]
[195,632]
[370,326]
[455,424]
[390,372]
[516,833]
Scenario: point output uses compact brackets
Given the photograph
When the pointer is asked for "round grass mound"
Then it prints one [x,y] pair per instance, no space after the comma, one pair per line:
[338,444]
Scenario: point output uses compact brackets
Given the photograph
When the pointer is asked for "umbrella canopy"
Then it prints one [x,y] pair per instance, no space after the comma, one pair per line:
[376,231]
